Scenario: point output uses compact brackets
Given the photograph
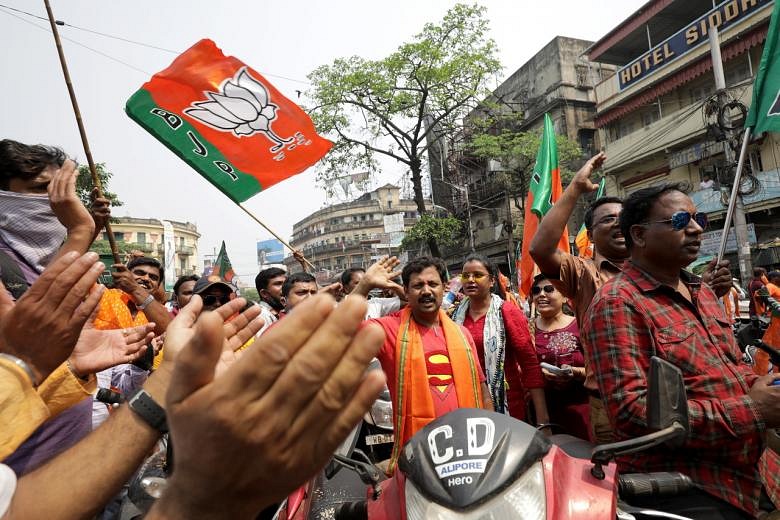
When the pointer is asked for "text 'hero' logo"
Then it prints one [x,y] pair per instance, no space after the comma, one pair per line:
[454,460]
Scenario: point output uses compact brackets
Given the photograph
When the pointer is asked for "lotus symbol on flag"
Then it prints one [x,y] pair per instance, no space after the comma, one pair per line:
[242,106]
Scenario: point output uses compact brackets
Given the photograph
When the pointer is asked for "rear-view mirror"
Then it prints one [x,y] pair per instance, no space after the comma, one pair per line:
[667,402]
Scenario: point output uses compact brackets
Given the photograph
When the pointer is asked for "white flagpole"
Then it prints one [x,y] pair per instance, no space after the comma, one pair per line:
[734,194]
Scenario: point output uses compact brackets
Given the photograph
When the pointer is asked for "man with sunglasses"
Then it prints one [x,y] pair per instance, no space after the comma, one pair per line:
[656,308]
[214,291]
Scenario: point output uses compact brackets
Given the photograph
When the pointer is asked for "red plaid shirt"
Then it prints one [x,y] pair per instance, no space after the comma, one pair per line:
[634,317]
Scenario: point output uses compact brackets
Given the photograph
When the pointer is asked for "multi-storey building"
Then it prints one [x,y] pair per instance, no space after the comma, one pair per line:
[146,235]
[558,80]
[353,233]
[658,115]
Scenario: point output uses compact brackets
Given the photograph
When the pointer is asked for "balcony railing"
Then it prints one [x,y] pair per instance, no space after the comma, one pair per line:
[768,188]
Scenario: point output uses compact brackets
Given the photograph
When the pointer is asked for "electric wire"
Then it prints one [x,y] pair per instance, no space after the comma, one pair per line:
[114,37]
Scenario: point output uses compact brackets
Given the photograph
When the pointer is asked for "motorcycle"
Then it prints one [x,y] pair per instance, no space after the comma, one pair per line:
[480,465]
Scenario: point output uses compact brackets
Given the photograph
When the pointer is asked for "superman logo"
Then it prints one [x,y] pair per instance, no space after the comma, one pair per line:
[439,370]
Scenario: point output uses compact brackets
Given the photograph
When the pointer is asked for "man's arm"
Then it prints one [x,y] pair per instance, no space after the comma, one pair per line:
[154,310]
[96,468]
[544,246]
[487,401]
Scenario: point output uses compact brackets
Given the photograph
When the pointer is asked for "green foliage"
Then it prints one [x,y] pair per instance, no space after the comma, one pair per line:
[388,106]
[495,137]
[102,247]
[250,293]
[442,230]
[84,185]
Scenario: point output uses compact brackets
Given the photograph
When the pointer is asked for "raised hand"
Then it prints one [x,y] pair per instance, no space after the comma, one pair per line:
[100,210]
[380,275]
[718,276]
[274,417]
[98,350]
[66,204]
[582,179]
[43,326]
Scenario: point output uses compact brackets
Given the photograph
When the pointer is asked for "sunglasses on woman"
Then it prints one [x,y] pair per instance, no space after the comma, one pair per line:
[536,289]
[476,276]
[681,219]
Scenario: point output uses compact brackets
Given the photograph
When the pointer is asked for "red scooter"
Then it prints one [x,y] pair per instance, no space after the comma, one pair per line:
[476,465]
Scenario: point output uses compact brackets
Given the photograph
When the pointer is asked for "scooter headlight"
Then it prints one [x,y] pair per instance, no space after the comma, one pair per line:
[524,500]
[382,414]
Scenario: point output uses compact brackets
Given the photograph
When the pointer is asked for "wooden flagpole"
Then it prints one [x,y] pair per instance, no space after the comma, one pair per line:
[280,239]
[95,179]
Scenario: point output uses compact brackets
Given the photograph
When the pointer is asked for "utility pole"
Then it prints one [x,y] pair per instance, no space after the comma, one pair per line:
[740,224]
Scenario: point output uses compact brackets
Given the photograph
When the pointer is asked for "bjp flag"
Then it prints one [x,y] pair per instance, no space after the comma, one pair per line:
[227,122]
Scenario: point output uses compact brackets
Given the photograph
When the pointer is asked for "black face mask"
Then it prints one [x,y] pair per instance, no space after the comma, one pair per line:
[275,304]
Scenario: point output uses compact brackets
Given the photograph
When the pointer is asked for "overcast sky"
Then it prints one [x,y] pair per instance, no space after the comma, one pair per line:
[282,40]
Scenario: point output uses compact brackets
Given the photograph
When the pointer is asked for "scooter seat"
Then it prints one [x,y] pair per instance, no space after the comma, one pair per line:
[573,446]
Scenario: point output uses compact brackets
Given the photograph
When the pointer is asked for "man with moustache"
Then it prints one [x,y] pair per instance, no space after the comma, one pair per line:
[656,308]
[424,348]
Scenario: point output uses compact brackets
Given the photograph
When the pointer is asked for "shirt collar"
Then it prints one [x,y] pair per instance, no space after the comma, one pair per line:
[646,282]
[603,262]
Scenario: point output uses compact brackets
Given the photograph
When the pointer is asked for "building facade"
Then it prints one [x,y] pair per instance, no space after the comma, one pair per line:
[353,234]
[558,80]
[660,117]
[146,235]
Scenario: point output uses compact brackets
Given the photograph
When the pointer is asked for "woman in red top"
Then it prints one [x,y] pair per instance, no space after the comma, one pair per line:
[500,332]
[558,343]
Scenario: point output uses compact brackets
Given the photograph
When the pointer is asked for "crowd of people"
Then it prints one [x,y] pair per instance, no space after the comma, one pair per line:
[272,387]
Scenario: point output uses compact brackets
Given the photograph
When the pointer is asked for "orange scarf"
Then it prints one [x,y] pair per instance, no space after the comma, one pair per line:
[413,408]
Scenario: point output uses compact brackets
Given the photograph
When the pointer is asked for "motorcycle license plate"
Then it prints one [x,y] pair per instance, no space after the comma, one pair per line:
[381,438]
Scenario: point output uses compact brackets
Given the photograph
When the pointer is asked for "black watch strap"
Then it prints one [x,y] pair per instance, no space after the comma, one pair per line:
[148,410]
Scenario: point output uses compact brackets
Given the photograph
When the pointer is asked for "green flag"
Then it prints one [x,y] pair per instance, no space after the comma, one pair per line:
[764,115]
[545,187]
[222,266]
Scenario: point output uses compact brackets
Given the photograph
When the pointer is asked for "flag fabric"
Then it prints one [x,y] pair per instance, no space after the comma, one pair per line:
[222,266]
[544,189]
[584,245]
[764,114]
[227,121]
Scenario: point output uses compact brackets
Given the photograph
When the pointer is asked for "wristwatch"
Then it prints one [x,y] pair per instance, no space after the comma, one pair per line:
[149,299]
[147,409]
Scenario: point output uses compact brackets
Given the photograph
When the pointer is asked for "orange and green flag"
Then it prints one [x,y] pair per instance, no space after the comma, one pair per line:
[222,266]
[584,245]
[544,190]
[227,121]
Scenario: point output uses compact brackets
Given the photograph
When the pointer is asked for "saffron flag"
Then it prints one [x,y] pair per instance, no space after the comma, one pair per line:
[222,266]
[544,189]
[227,121]
[764,115]
[584,245]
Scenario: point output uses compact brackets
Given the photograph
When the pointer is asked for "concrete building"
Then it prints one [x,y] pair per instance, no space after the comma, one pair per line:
[353,234]
[658,116]
[558,80]
[146,235]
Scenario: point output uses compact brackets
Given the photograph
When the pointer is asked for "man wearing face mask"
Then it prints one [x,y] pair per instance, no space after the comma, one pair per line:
[42,217]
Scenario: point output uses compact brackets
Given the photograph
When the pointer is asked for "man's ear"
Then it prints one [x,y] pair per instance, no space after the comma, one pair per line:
[638,232]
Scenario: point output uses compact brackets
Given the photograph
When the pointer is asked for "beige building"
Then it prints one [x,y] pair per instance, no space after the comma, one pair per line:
[146,235]
[659,117]
[353,234]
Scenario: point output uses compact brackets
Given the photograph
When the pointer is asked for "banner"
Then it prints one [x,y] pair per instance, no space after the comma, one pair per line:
[764,115]
[545,189]
[169,261]
[227,121]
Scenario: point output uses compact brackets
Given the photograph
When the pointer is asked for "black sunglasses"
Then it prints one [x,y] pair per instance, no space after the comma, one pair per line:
[681,219]
[211,299]
[537,289]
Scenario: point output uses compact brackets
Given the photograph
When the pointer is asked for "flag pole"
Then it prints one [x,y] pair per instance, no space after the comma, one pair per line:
[280,239]
[95,179]
[734,194]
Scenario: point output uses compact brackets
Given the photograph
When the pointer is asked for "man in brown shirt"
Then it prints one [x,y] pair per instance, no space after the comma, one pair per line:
[579,278]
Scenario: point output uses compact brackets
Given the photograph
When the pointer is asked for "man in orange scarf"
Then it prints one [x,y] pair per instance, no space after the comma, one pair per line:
[431,363]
